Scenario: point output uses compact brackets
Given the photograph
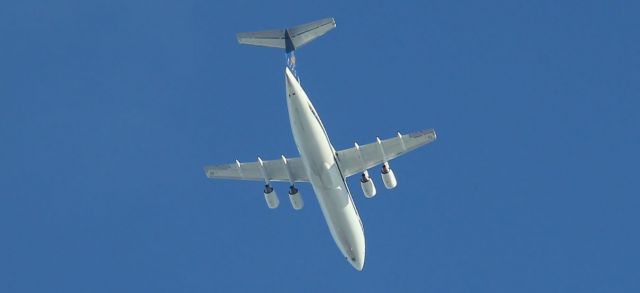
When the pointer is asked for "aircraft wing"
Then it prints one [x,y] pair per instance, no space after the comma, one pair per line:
[286,169]
[360,158]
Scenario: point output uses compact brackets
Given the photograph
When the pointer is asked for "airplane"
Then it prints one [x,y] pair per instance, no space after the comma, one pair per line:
[319,162]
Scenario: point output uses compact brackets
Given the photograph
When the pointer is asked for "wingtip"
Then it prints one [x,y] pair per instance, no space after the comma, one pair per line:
[207,172]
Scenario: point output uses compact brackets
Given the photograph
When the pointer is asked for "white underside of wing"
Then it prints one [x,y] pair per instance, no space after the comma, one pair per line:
[358,159]
[292,170]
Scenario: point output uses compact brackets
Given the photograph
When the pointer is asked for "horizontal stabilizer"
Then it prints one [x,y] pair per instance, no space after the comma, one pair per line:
[290,38]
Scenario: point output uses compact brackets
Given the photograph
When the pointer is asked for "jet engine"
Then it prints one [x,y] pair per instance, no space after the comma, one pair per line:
[296,199]
[368,188]
[388,178]
[271,197]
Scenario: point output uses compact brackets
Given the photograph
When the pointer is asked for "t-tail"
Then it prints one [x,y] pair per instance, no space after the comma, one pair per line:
[289,38]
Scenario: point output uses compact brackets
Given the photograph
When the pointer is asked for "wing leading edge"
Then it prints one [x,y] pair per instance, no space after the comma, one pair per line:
[360,158]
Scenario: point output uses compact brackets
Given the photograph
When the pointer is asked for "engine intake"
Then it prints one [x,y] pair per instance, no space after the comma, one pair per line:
[388,177]
[296,199]
[368,188]
[271,197]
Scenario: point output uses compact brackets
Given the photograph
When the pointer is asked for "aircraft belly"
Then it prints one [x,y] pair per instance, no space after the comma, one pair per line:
[325,176]
[343,222]
[333,196]
[313,146]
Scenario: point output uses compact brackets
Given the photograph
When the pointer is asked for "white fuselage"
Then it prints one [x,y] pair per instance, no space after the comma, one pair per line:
[324,173]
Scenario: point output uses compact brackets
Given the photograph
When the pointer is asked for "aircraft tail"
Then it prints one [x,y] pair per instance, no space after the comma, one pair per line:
[289,38]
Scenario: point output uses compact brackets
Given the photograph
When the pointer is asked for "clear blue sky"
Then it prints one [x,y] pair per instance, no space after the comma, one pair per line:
[109,110]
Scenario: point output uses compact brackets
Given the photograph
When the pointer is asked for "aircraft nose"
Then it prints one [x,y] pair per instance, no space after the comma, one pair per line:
[356,258]
[357,263]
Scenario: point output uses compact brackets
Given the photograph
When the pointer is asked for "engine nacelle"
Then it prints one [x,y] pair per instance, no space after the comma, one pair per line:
[296,199]
[388,178]
[271,197]
[368,188]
